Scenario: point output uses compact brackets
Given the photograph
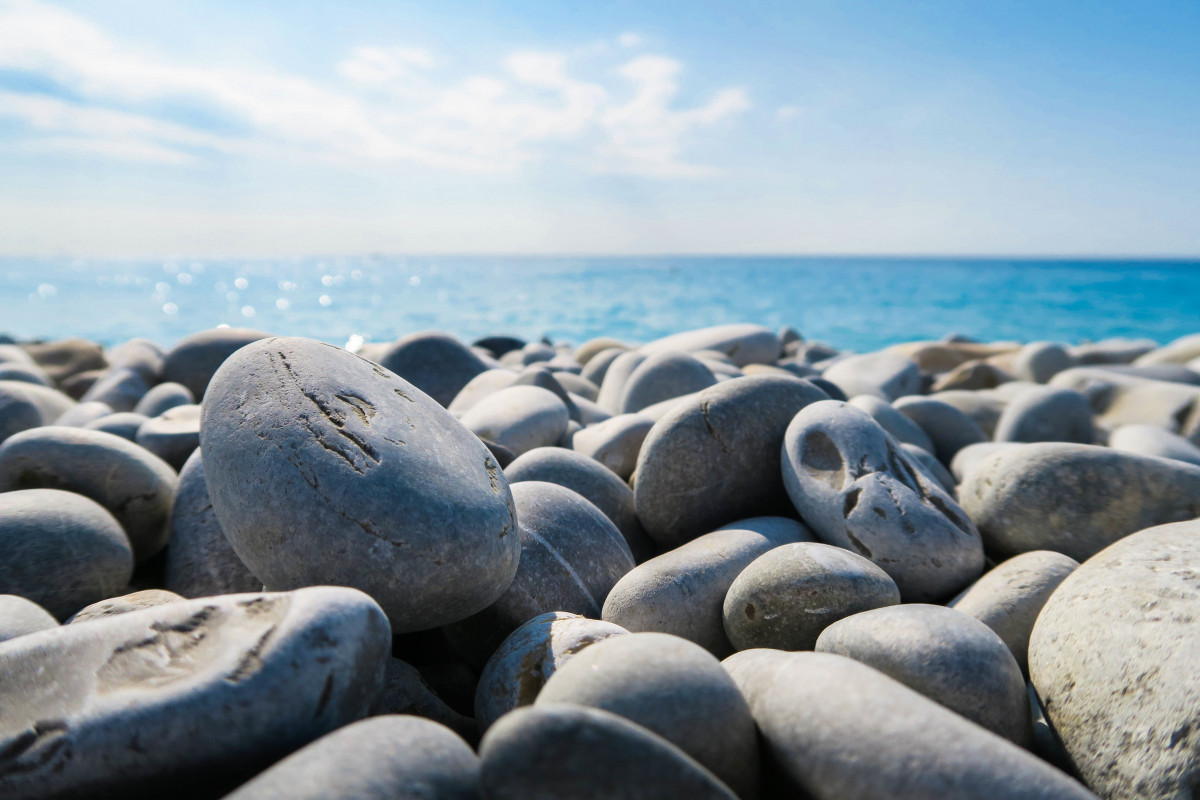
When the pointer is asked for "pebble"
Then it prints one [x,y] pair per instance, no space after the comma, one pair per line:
[615,442]
[147,598]
[612,388]
[596,368]
[125,424]
[1150,440]
[309,449]
[437,364]
[948,428]
[1040,361]
[984,407]
[19,616]
[1047,414]
[485,383]
[164,397]
[1129,400]
[933,469]
[594,347]
[173,435]
[196,358]
[902,429]
[119,388]
[1180,351]
[405,691]
[742,343]
[24,373]
[85,413]
[887,376]
[519,418]
[18,411]
[66,357]
[661,377]
[786,597]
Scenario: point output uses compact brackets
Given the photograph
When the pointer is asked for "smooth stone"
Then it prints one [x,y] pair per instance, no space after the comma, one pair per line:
[945,355]
[1047,414]
[902,429]
[13,354]
[615,443]
[84,413]
[393,756]
[78,384]
[673,688]
[972,375]
[125,424]
[857,490]
[164,397]
[592,481]
[660,410]
[587,411]
[536,352]
[120,388]
[1113,658]
[520,667]
[578,386]
[310,449]
[1113,351]
[20,615]
[200,560]
[1009,597]
[681,592]
[519,418]
[946,655]
[141,355]
[787,596]
[1129,400]
[18,410]
[537,375]
[742,343]
[499,345]
[53,403]
[173,435]
[147,598]
[661,377]
[948,428]
[137,487]
[715,458]
[482,385]
[972,455]
[884,375]
[1030,498]
[196,358]
[840,729]
[612,388]
[1149,440]
[405,691]
[436,363]
[933,469]
[550,752]
[66,357]
[594,347]
[24,373]
[96,709]
[571,555]
[1179,351]
[1170,373]
[597,366]
[1041,361]
[984,407]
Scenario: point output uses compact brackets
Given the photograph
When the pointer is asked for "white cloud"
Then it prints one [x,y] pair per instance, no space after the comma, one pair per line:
[629,39]
[388,108]
[788,112]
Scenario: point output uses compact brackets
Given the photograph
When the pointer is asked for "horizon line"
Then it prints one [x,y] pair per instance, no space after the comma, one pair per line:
[1186,258]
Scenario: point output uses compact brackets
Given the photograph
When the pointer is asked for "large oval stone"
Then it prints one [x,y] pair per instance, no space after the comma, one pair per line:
[324,468]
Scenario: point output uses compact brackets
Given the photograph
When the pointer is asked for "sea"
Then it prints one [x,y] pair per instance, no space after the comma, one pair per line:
[856,304]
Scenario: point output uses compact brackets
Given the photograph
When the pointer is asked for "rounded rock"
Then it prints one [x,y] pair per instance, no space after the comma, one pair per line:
[615,442]
[436,363]
[147,598]
[196,358]
[120,388]
[18,411]
[1150,440]
[902,429]
[173,435]
[887,376]
[519,418]
[949,429]
[164,397]
[1041,361]
[662,377]
[20,615]
[125,424]
[1047,414]
[742,343]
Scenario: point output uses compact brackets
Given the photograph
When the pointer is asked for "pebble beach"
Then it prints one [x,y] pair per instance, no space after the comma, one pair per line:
[730,561]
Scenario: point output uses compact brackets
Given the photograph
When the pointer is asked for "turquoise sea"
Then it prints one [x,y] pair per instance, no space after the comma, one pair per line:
[854,303]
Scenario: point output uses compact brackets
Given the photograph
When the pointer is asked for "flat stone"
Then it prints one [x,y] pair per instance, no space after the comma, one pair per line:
[840,729]
[138,488]
[164,397]
[662,377]
[884,375]
[19,616]
[1074,499]
[948,428]
[1150,440]
[1047,414]
[858,490]
[195,359]
[788,595]
[1113,657]
[520,667]
[147,598]
[519,418]
[1009,597]
[95,709]
[310,449]
[173,435]
[715,458]
[675,689]
[549,752]
[743,343]
[682,591]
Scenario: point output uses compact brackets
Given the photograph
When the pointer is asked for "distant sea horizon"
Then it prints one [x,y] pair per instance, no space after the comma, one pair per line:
[852,302]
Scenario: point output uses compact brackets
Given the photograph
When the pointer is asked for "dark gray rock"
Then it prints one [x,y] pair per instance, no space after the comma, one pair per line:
[405,691]
[1150,440]
[615,442]
[137,487]
[120,388]
[884,375]
[571,555]
[66,357]
[24,373]
[673,688]
[557,751]
[147,598]
[164,397]
[858,490]
[125,424]
[948,428]
[787,596]
[18,411]
[1047,414]
[499,345]
[1074,499]
[309,449]
[839,729]
[1113,657]
[715,458]
[196,358]
[173,435]
[662,377]
[681,592]
[742,343]
[19,616]
[437,364]
[519,418]
[95,709]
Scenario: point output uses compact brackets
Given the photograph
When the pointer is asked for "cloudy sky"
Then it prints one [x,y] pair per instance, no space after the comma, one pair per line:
[151,127]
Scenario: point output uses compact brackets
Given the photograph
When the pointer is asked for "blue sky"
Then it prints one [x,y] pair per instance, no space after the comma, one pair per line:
[153,127]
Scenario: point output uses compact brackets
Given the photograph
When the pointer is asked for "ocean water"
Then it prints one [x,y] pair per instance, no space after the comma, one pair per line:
[852,303]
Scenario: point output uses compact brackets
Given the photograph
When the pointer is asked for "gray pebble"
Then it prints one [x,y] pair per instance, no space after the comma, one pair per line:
[404,691]
[163,397]
[125,424]
[120,388]
[1047,414]
[195,358]
[742,343]
[18,411]
[612,388]
[933,469]
[884,375]
[20,615]
[597,366]
[662,377]
[436,363]
[85,413]
[482,385]
[519,418]
[147,598]
[173,435]
[1041,361]
[1150,440]
[972,455]
[948,428]
[902,429]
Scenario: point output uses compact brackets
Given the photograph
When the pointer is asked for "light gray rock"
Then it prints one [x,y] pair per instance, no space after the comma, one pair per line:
[884,375]
[840,729]
[538,375]
[591,480]
[309,449]
[120,388]
[1041,361]
[520,667]
[612,388]
[972,375]
[673,688]
[400,757]
[173,435]
[1149,440]
[141,355]
[579,386]
[588,413]
[1009,597]
[742,343]
[933,469]
[787,596]
[1119,399]
[24,373]
[1047,414]
[858,490]
[1112,351]
[571,555]
[95,709]
[164,397]
[714,458]
[556,751]
[984,407]
[594,347]
[949,429]
[50,402]
[195,358]
[405,691]
[661,377]
[597,366]
[519,418]
[681,592]
[1074,499]
[200,560]
[125,424]
[66,357]
[660,410]
[18,410]
[485,383]
[84,413]
[1180,351]
[436,363]
[147,598]
[972,455]
[137,487]
[19,616]
[946,655]
[1113,657]
[902,429]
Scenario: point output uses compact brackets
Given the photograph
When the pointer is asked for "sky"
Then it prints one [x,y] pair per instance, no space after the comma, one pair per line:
[133,128]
